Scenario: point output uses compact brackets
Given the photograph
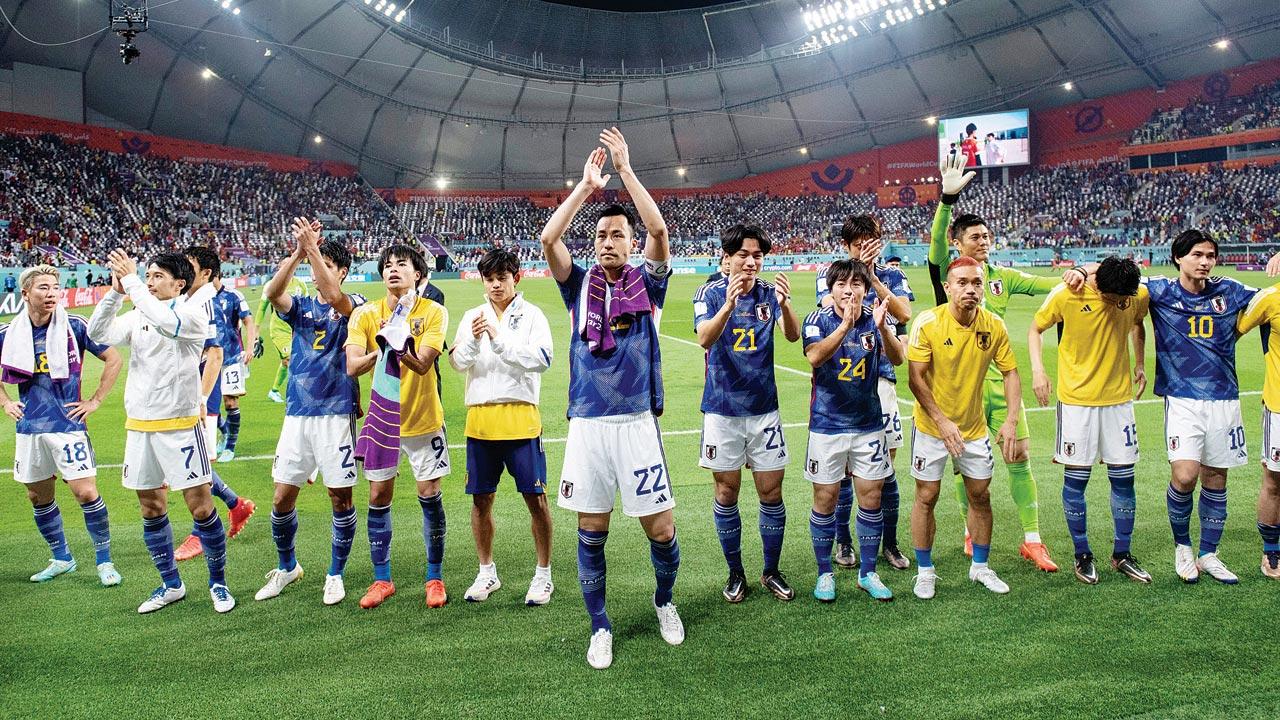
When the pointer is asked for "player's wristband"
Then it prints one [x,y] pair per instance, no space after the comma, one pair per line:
[950,198]
[1082,271]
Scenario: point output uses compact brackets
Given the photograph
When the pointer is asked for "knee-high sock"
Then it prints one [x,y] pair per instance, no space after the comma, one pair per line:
[1124,504]
[282,376]
[1270,537]
[158,536]
[213,537]
[1179,506]
[844,512]
[233,428]
[773,525]
[889,502]
[223,491]
[433,527]
[591,576]
[822,530]
[49,523]
[666,563]
[379,523]
[284,528]
[729,528]
[1074,481]
[1213,518]
[99,527]
[344,534]
[870,525]
[1022,486]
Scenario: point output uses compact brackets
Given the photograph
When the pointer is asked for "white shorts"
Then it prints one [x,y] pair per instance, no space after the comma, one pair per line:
[605,456]
[44,455]
[428,458]
[235,379]
[1088,435]
[756,441]
[324,443]
[829,458]
[889,411]
[1270,440]
[177,459]
[1210,432]
[929,458]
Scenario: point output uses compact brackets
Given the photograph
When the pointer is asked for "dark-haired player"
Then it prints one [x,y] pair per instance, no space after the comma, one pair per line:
[615,390]
[1095,402]
[734,319]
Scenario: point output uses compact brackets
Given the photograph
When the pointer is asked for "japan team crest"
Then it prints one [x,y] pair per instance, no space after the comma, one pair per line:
[868,341]
[1174,442]
[1219,304]
[711,452]
[918,463]
[513,322]
[566,489]
[997,287]
[984,340]
[1275,454]
[764,313]
[1068,449]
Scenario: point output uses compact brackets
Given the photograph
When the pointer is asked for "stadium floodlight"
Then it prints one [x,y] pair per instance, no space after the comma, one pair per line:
[1222,44]
[932,119]
[804,151]
[681,171]
[236,11]
[206,73]
[1068,86]
[442,183]
[318,139]
[836,21]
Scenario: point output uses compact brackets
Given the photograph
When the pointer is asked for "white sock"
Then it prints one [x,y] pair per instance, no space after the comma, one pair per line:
[1032,537]
[490,570]
[542,572]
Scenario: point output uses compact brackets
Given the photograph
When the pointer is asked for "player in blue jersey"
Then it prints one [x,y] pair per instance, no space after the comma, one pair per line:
[615,389]
[845,343]
[734,319]
[321,403]
[1194,317]
[230,311]
[860,235]
[42,351]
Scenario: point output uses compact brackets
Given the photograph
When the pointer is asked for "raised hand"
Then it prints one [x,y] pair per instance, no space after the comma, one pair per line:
[782,288]
[736,288]
[879,313]
[121,265]
[870,252]
[621,155]
[591,171]
[954,177]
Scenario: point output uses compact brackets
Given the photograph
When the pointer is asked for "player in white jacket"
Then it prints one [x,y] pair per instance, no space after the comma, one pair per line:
[165,445]
[504,346]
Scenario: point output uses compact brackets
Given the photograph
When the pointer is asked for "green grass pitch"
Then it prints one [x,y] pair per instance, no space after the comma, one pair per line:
[1052,648]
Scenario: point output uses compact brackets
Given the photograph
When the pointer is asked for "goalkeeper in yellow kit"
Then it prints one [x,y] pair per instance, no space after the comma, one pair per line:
[281,337]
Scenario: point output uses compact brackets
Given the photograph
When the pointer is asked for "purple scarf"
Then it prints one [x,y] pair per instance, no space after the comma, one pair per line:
[378,446]
[629,297]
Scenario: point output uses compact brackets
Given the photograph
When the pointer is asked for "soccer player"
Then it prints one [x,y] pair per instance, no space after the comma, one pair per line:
[503,347]
[972,238]
[206,263]
[950,349]
[1194,316]
[281,336]
[1095,404]
[422,433]
[318,433]
[1264,309]
[860,235]
[42,351]
[615,390]
[164,446]
[734,319]
[844,343]
[230,311]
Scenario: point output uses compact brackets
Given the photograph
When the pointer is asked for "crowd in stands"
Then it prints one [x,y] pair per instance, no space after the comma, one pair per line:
[1259,108]
[68,203]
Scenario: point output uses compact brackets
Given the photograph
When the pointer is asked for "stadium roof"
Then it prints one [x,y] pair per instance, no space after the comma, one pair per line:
[511,93]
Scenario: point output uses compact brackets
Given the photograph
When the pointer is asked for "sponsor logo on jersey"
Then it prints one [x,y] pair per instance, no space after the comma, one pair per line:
[868,341]
[1219,304]
[984,340]
[764,313]
[997,287]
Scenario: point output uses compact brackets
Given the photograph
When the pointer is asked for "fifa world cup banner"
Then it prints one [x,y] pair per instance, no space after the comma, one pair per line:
[905,195]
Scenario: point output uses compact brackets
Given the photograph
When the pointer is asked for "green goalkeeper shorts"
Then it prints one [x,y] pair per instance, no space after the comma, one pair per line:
[997,409]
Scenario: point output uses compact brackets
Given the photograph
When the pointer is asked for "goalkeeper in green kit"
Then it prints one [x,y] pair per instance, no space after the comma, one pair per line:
[281,337]
[972,238]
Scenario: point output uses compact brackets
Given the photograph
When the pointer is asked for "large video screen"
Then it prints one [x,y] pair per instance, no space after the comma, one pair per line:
[989,140]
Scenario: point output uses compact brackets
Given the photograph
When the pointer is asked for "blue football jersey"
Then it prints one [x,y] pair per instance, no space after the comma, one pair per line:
[318,380]
[739,378]
[45,399]
[626,380]
[229,308]
[896,281]
[845,398]
[1196,337]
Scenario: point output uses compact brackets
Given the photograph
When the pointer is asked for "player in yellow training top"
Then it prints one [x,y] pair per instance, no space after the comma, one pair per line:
[1265,310]
[1095,404]
[961,339]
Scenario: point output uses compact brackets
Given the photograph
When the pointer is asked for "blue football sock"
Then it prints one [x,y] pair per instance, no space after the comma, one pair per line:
[95,520]
[1179,505]
[1074,481]
[1270,537]
[344,533]
[822,530]
[158,536]
[214,540]
[981,553]
[223,492]
[1124,504]
[591,576]
[844,512]
[729,528]
[380,541]
[233,428]
[924,557]
[433,527]
[889,501]
[666,563]
[870,526]
[1213,518]
[49,522]
[284,528]
[773,525]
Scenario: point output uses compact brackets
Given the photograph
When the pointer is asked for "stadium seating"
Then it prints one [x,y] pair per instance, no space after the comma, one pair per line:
[1257,109]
